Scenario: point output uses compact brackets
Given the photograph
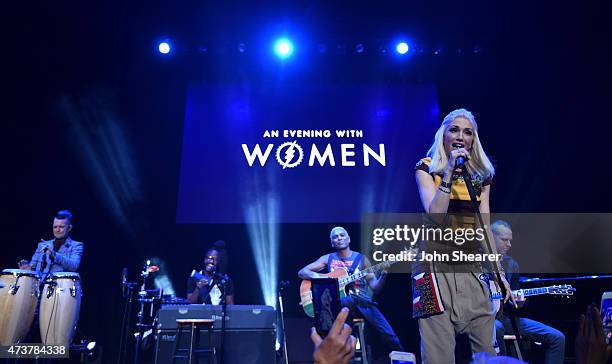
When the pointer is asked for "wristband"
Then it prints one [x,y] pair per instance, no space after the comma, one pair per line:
[446,185]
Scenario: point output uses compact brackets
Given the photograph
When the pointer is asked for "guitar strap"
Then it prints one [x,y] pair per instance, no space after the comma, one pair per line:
[355,264]
[360,298]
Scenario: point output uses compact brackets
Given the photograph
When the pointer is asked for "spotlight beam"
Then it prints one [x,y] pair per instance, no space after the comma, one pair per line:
[263,237]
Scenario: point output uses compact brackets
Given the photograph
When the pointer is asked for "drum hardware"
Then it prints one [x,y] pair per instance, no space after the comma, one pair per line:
[133,291]
[50,283]
[73,290]
[142,327]
[13,288]
[50,290]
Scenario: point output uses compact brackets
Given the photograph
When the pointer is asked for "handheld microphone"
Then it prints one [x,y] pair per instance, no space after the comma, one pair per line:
[460,161]
[224,279]
[221,279]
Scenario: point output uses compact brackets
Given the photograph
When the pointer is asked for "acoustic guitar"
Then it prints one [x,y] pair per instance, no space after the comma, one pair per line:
[344,279]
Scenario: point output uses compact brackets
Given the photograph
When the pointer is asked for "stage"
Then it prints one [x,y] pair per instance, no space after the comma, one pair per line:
[253,130]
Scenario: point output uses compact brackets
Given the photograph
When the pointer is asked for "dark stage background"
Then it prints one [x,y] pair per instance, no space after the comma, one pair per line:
[93,122]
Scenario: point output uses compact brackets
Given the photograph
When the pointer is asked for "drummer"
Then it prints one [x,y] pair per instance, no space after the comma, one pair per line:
[61,254]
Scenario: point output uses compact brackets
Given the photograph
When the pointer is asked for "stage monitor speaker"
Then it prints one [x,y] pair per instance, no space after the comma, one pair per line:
[244,346]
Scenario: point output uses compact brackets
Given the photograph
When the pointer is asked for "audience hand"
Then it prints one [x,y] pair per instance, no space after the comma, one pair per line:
[24,264]
[338,346]
[590,342]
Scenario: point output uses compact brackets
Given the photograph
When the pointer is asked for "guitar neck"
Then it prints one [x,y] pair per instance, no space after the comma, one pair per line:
[356,276]
[524,292]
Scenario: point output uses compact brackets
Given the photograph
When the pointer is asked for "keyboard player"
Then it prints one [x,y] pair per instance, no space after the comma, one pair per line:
[207,286]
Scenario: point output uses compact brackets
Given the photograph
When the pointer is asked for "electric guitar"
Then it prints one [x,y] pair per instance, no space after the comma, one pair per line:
[344,279]
[562,290]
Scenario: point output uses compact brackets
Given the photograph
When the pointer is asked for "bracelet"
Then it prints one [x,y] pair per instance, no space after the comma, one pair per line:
[446,185]
[444,189]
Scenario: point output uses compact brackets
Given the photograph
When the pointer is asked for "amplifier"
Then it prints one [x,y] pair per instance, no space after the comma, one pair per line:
[237,316]
[250,332]
[248,346]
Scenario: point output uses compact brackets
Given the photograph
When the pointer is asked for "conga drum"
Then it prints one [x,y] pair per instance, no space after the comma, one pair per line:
[60,304]
[18,300]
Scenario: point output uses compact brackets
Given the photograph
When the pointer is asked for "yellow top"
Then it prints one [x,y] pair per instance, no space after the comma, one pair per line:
[460,197]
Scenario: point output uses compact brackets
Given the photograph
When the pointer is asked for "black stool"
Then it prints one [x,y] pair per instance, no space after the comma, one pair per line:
[194,340]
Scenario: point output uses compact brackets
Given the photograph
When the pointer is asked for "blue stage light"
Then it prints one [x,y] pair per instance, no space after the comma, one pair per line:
[402,48]
[283,48]
[264,239]
[164,48]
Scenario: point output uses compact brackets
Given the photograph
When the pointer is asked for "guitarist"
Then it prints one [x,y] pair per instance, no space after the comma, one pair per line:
[552,339]
[359,299]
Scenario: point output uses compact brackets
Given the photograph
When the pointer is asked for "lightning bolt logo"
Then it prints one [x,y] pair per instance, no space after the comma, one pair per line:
[289,153]
[290,149]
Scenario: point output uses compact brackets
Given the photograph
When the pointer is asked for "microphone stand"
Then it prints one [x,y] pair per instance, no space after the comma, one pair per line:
[467,178]
[281,288]
[223,313]
[128,295]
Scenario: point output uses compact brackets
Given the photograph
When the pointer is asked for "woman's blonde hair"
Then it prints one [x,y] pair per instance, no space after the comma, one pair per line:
[479,162]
